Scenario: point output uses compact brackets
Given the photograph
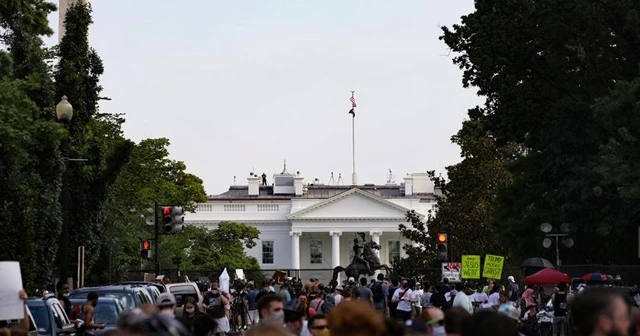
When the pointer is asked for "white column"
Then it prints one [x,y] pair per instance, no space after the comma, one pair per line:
[335,248]
[295,249]
[375,237]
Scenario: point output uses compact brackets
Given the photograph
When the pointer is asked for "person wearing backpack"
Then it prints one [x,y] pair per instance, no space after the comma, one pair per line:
[560,308]
[380,294]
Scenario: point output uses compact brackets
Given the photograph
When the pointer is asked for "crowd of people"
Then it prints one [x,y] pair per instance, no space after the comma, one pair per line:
[389,307]
[384,307]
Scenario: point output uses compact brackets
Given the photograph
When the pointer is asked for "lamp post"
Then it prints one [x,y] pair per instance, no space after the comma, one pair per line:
[64,113]
[567,241]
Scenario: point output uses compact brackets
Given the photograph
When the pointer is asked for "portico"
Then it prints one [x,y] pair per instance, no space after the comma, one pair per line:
[344,215]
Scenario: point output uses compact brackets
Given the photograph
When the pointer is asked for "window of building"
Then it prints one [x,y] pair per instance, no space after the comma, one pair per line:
[316,251]
[394,250]
[267,252]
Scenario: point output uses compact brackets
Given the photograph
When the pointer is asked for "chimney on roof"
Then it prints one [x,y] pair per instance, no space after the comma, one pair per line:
[253,182]
[297,184]
[408,185]
[422,184]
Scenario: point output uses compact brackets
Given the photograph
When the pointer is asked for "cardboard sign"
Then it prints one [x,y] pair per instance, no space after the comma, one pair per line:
[470,267]
[451,271]
[11,306]
[493,266]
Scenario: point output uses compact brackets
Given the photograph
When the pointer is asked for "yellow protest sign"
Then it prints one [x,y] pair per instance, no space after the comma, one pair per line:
[493,266]
[470,267]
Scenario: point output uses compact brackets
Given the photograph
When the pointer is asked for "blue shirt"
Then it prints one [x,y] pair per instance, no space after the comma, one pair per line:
[251,300]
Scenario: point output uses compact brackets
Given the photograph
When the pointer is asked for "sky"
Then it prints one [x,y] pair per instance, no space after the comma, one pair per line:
[241,86]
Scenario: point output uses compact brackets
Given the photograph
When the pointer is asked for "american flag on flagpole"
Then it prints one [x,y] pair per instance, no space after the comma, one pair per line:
[353,99]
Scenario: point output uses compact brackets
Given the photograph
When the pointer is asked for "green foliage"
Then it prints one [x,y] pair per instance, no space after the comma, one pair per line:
[467,202]
[28,234]
[30,163]
[541,85]
[149,176]
[205,249]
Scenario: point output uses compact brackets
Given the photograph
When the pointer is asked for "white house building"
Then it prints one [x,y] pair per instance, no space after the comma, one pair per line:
[310,228]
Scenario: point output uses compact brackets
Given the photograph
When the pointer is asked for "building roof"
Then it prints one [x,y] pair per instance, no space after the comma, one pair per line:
[318,191]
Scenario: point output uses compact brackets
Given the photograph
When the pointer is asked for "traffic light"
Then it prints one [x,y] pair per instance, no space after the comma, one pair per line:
[145,249]
[442,241]
[172,219]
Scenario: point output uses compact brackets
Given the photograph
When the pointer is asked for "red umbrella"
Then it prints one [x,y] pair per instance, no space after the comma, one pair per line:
[547,276]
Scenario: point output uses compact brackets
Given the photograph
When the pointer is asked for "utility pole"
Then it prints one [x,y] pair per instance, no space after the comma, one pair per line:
[156,229]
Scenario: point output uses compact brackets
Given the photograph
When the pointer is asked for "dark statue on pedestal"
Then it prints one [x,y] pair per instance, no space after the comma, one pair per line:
[365,262]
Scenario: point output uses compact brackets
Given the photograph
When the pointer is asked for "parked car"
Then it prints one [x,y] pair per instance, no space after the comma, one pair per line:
[181,291]
[161,288]
[152,290]
[50,318]
[106,312]
[129,297]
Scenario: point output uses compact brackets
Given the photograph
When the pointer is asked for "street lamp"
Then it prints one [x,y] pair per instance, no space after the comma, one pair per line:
[64,113]
[568,242]
[64,110]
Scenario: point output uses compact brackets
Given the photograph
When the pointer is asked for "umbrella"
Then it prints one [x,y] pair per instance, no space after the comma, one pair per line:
[594,277]
[537,262]
[547,276]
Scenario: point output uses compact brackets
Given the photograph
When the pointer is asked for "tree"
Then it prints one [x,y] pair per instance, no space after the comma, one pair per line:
[540,86]
[31,210]
[92,136]
[205,249]
[466,202]
[25,188]
[149,176]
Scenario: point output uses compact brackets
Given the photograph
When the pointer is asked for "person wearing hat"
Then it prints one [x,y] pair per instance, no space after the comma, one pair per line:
[294,318]
[513,289]
[166,303]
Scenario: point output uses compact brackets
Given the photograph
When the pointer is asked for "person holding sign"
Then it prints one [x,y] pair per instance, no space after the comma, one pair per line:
[18,329]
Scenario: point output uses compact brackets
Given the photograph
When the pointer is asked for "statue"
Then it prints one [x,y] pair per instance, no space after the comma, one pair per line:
[365,262]
[264,179]
[358,250]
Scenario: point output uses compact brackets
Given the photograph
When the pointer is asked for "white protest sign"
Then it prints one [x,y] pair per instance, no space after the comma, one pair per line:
[11,306]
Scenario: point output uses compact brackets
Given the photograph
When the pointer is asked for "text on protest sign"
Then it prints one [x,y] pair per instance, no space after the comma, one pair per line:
[470,267]
[493,266]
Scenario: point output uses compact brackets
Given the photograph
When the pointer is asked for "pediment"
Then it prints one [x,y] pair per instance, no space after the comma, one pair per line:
[352,204]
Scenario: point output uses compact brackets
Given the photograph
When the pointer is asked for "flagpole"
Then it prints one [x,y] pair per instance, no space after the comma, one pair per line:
[354,176]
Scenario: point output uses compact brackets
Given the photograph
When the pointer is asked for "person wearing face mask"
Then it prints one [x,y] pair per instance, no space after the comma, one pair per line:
[215,302]
[88,314]
[63,289]
[271,309]
[403,297]
[195,319]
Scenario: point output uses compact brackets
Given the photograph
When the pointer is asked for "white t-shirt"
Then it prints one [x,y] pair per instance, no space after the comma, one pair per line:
[479,297]
[404,304]
[305,329]
[337,298]
[494,299]
[417,294]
